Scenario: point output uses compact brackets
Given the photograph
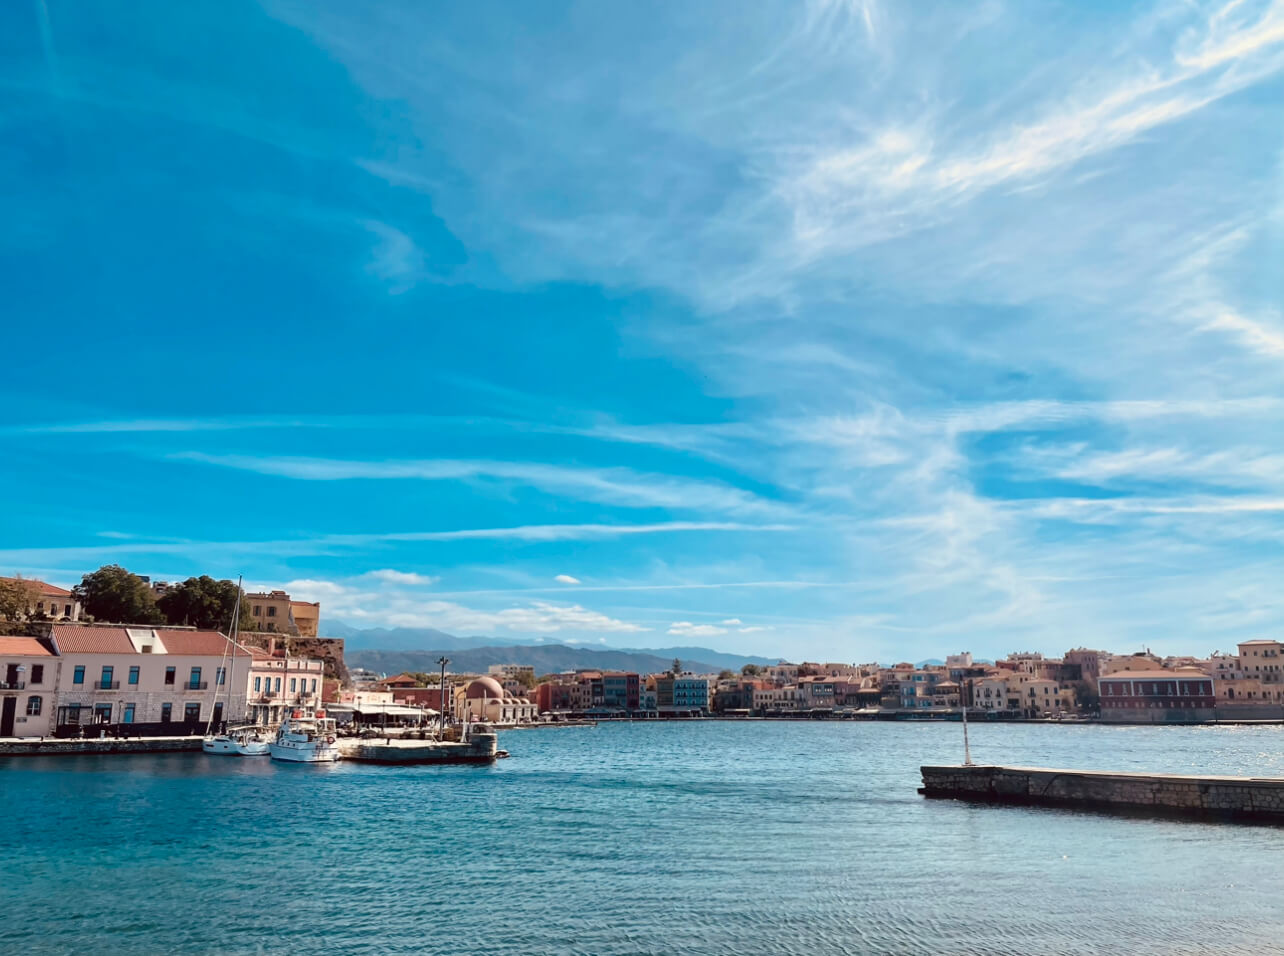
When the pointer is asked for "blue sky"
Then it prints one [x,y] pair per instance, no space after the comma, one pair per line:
[820,329]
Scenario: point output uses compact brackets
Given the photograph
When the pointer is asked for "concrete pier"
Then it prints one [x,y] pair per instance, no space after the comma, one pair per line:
[1257,799]
[31,747]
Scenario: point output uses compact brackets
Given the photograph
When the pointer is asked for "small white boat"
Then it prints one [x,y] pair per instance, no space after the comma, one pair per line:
[246,742]
[302,739]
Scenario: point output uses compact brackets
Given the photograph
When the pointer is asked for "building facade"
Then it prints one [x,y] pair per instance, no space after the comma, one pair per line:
[28,686]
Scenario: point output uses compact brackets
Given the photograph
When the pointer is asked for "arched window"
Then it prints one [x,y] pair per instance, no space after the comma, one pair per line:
[33,706]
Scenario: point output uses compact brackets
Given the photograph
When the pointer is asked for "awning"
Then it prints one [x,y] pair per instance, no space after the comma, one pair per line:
[392,710]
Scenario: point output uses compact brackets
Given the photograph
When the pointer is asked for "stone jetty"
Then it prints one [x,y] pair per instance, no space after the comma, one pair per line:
[1257,799]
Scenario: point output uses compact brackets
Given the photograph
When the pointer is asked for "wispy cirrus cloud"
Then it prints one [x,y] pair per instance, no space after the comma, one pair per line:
[618,486]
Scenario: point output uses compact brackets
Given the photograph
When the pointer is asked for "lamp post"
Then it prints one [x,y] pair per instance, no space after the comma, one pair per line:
[967,752]
[443,661]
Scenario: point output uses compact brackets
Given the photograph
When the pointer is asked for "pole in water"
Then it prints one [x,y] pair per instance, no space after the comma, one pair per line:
[967,751]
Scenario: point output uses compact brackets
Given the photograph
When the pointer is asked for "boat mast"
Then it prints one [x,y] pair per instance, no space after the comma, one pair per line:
[228,644]
[967,752]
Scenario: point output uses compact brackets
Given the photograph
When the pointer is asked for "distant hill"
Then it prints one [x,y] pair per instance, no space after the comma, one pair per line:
[427,642]
[545,658]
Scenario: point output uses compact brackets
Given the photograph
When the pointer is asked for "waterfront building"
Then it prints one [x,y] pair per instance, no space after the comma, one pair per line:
[781,674]
[1262,659]
[1181,695]
[28,682]
[275,611]
[278,683]
[681,694]
[48,601]
[483,699]
[148,680]
[773,699]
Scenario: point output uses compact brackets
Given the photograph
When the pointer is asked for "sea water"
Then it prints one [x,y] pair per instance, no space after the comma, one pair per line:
[629,838]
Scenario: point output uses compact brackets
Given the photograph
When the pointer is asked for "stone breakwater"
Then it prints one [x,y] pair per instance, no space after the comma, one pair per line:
[1235,798]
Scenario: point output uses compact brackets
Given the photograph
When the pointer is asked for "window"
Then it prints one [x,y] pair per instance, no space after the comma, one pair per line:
[258,611]
[191,712]
[133,674]
[78,676]
[194,679]
[278,685]
[271,612]
[67,610]
[102,713]
[169,676]
[128,718]
[105,681]
[167,712]
[293,682]
[258,684]
[219,675]
[314,685]
[33,706]
[37,673]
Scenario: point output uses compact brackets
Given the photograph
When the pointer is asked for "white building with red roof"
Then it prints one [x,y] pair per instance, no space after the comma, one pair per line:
[28,681]
[164,680]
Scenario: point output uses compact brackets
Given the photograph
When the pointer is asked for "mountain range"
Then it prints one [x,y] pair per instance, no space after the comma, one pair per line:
[390,650]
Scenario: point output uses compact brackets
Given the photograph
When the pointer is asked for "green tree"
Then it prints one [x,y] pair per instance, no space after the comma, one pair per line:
[750,670]
[113,594]
[526,679]
[423,679]
[205,603]
[17,598]
[726,674]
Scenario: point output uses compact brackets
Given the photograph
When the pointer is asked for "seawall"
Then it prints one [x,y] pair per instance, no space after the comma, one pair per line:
[1229,798]
[98,745]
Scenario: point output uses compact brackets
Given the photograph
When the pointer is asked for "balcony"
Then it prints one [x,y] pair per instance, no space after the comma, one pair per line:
[12,685]
[268,695]
[105,685]
[189,685]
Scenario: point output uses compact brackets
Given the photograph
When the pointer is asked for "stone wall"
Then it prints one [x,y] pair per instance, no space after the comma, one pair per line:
[1232,797]
[96,745]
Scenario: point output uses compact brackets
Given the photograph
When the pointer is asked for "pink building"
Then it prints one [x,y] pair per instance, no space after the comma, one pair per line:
[28,679]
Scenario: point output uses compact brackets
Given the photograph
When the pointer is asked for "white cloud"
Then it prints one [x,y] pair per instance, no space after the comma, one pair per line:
[408,578]
[360,603]
[687,629]
[732,621]
[566,579]
[617,486]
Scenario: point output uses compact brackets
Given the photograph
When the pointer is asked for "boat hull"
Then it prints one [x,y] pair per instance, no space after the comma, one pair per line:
[326,753]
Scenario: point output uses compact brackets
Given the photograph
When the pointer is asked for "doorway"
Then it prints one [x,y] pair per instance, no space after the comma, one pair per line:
[7,711]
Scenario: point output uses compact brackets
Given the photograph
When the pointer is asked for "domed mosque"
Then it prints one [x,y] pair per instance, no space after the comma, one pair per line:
[484,699]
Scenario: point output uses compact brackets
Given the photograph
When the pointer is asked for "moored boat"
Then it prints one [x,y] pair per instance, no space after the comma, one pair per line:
[306,739]
[243,742]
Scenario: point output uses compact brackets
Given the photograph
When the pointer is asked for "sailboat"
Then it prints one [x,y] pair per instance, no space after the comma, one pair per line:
[241,741]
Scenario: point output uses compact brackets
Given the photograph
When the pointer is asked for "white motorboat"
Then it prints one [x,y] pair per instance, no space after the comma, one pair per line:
[306,739]
[245,742]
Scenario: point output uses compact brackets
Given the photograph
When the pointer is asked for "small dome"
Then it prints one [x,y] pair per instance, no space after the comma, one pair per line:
[483,687]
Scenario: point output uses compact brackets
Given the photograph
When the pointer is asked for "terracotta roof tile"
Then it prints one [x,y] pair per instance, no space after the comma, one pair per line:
[24,646]
[195,643]
[82,639]
[47,589]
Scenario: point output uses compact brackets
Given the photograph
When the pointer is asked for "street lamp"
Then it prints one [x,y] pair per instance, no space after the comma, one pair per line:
[443,661]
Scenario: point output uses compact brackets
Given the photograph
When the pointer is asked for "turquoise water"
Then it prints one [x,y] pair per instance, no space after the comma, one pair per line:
[699,838]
